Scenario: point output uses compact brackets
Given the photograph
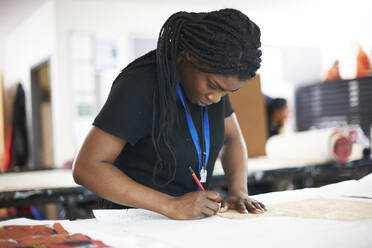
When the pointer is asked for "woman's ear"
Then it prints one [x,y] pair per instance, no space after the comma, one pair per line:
[190,58]
[180,57]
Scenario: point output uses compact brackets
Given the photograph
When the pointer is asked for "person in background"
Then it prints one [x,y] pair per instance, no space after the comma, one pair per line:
[277,115]
[170,110]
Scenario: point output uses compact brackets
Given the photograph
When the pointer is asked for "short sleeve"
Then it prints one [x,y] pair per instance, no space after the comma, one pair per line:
[127,112]
[228,107]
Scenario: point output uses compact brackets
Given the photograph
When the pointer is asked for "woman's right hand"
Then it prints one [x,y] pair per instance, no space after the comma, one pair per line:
[194,205]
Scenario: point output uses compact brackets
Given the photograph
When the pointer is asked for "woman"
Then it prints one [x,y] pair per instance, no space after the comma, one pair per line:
[168,111]
[277,115]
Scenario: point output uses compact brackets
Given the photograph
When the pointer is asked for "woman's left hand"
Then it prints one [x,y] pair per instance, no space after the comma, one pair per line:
[242,203]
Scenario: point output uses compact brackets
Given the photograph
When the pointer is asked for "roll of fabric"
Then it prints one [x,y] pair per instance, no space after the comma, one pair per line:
[314,146]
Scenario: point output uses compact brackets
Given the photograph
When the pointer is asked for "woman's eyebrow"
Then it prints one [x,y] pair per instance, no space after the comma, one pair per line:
[221,88]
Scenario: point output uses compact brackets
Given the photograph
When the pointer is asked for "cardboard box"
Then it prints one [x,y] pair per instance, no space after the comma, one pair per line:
[250,109]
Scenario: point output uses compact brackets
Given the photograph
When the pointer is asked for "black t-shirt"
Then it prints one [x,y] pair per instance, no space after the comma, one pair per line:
[273,129]
[128,114]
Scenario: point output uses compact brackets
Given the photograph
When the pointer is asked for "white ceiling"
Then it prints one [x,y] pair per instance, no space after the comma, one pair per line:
[13,12]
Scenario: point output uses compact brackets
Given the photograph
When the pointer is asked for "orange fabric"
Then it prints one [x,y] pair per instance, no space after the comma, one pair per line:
[44,236]
[363,64]
[333,73]
[59,228]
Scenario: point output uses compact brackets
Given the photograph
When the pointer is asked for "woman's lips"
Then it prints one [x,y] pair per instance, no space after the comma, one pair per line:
[202,103]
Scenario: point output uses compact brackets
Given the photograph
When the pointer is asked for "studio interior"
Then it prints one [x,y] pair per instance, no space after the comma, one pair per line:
[303,122]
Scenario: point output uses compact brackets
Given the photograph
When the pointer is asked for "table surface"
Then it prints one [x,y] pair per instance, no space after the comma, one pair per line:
[41,187]
[220,232]
[40,179]
[62,178]
[260,164]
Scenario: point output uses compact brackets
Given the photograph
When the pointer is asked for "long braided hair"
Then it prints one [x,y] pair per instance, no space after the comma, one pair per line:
[224,42]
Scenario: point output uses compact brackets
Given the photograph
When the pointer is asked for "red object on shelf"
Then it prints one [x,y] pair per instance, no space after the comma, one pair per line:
[333,73]
[363,64]
[7,162]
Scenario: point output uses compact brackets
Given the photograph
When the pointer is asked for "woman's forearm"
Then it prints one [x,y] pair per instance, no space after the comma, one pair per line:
[107,181]
[234,160]
[234,156]
[94,169]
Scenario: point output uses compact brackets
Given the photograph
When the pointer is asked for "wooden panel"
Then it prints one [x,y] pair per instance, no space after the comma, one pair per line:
[2,122]
[46,134]
[249,106]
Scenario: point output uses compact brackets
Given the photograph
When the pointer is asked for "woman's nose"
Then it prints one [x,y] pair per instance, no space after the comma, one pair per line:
[215,97]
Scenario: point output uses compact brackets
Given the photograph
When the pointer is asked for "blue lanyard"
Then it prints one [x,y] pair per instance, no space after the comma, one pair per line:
[193,132]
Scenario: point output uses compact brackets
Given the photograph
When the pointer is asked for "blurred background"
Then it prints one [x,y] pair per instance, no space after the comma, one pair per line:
[61,57]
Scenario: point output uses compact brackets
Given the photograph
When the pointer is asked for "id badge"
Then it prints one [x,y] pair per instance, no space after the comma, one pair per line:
[203,175]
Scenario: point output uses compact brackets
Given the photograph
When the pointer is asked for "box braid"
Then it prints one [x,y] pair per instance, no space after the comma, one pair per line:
[224,42]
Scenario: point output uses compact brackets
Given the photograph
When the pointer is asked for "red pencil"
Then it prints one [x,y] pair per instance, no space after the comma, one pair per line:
[199,184]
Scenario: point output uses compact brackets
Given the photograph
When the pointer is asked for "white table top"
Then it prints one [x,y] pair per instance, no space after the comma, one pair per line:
[220,232]
[260,164]
[43,179]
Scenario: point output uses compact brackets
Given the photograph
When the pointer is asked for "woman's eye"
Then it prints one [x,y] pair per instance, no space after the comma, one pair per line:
[212,86]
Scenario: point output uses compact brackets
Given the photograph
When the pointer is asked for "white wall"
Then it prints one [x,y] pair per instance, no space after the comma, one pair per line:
[2,53]
[331,27]
[123,20]
[31,43]
[319,30]
[326,27]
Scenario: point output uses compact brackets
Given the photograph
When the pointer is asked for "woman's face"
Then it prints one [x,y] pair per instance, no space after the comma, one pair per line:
[280,116]
[203,88]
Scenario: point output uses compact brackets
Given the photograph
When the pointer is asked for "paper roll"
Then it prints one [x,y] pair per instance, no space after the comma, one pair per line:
[314,146]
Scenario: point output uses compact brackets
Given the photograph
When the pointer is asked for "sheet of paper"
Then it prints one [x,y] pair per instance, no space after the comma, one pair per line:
[217,231]
[25,221]
[115,216]
[317,208]
[361,187]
